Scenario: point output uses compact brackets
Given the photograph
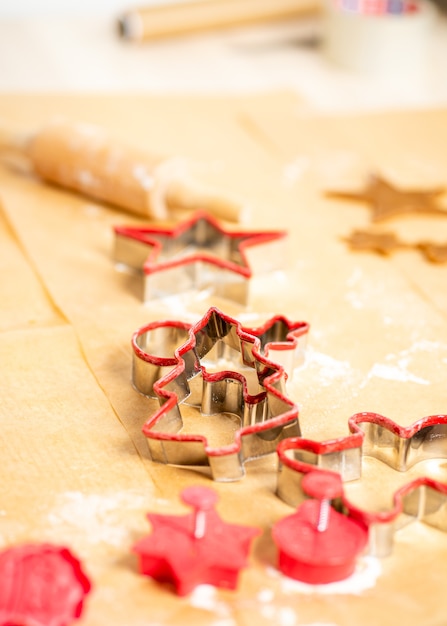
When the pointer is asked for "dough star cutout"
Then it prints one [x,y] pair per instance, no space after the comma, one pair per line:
[436,253]
[195,254]
[387,201]
[383,243]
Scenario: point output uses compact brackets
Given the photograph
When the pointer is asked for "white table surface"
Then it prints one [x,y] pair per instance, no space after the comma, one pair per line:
[61,47]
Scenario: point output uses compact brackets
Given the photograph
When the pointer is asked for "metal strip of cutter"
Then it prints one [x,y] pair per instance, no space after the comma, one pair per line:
[218,367]
[399,447]
[197,254]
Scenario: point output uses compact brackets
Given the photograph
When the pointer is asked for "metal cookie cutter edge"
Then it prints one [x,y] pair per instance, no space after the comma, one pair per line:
[267,416]
[154,346]
[374,435]
[219,262]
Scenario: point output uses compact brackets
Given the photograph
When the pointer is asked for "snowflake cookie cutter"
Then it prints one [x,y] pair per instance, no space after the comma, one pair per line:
[197,254]
[376,436]
[221,367]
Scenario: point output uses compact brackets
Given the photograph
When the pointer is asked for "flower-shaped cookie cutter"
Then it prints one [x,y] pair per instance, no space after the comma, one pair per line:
[221,367]
[374,435]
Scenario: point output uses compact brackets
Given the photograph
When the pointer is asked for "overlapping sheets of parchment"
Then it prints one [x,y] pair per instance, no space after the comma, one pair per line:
[75,464]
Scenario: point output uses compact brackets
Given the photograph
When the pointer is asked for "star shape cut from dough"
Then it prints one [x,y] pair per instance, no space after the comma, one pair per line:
[387,201]
[382,242]
[434,252]
[195,254]
[387,242]
[400,447]
[197,548]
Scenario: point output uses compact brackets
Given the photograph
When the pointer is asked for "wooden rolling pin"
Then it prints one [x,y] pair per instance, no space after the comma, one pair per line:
[83,158]
[179,18]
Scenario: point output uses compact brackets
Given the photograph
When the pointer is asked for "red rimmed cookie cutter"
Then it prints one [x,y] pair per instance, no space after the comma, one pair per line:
[197,548]
[220,368]
[399,447]
[41,584]
[197,254]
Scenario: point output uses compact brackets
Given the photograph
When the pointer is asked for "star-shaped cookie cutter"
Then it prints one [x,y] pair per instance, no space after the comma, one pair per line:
[253,389]
[376,436]
[197,254]
[187,550]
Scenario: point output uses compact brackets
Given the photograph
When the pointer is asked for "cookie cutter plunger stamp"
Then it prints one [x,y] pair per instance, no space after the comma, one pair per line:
[187,550]
[317,544]
[221,367]
[198,254]
[374,435]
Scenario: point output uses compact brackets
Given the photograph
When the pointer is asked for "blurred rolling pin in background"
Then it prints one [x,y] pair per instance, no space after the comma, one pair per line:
[179,18]
[83,158]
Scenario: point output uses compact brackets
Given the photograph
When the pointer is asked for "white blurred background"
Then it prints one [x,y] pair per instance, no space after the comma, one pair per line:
[72,45]
[39,8]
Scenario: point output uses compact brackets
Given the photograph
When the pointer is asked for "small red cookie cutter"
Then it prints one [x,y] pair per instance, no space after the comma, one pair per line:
[197,548]
[41,584]
[316,544]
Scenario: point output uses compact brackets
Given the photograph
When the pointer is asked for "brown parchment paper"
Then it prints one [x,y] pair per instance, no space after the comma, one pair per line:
[76,465]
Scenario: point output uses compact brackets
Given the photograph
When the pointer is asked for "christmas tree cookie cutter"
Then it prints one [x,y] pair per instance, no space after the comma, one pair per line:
[218,367]
[374,435]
